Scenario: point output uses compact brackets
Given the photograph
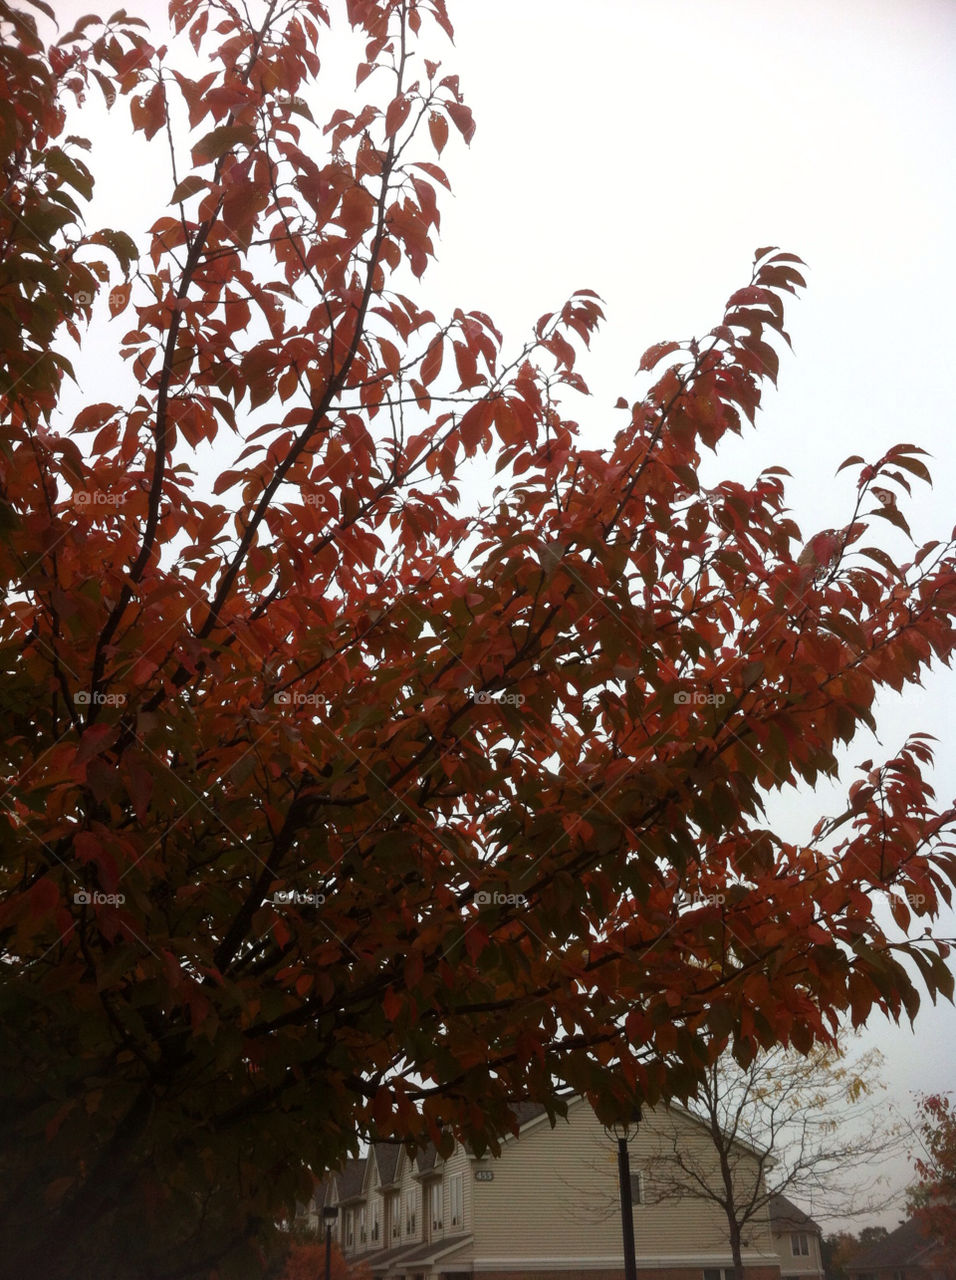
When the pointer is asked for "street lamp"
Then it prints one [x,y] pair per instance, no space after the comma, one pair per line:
[622,1133]
[329,1212]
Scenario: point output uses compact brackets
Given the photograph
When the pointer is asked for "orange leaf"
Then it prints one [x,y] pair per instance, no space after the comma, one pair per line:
[438,128]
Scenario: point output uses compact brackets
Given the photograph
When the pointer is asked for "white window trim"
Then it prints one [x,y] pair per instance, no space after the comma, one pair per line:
[456,1198]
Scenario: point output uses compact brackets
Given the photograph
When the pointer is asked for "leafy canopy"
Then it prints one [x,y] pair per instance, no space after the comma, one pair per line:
[508,760]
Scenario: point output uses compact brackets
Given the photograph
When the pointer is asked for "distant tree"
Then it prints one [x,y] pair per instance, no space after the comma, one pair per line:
[870,1235]
[932,1199]
[837,1249]
[306,1261]
[809,1126]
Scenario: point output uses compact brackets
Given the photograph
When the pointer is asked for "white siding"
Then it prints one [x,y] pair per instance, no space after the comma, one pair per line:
[554,1196]
[807,1267]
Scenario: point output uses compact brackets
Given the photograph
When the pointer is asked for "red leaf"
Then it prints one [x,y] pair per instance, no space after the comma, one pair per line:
[462,119]
[432,362]
[396,115]
[655,354]
[438,128]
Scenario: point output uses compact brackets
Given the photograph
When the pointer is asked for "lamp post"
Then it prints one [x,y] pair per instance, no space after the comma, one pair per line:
[329,1212]
[622,1133]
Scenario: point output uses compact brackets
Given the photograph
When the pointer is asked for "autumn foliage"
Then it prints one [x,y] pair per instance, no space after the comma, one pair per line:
[306,1261]
[508,757]
[933,1197]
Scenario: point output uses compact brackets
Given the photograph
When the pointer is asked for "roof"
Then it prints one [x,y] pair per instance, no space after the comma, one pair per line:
[417,1256]
[785,1216]
[427,1156]
[901,1246]
[386,1157]
[351,1178]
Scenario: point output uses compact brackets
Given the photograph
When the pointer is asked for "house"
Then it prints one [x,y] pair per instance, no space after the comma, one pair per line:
[546,1208]
[905,1254]
[797,1240]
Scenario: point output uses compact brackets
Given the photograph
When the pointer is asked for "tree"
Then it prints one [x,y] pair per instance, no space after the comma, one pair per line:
[836,1251]
[810,1126]
[306,1261]
[932,1199]
[332,810]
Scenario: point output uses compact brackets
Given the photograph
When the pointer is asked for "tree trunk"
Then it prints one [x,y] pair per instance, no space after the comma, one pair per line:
[735,1250]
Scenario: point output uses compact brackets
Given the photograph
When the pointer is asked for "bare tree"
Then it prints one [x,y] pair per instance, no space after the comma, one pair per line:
[813,1125]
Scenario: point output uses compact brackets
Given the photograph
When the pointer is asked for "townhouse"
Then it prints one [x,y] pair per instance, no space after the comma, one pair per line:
[546,1208]
[798,1241]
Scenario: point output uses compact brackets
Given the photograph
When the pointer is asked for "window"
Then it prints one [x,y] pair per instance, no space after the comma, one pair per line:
[375,1219]
[395,1215]
[455,1187]
[349,1228]
[436,1206]
[800,1244]
[410,1207]
[363,1233]
[718,1273]
[637,1188]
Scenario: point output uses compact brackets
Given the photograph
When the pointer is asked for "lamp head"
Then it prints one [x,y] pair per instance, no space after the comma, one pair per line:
[623,1128]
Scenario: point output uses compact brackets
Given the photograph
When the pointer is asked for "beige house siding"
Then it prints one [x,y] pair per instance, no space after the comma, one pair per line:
[806,1267]
[561,1187]
[549,1207]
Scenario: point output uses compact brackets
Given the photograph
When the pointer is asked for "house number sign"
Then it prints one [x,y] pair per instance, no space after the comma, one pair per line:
[484,1175]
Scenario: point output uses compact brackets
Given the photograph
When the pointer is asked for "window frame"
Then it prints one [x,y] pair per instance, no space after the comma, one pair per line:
[798,1238]
[456,1198]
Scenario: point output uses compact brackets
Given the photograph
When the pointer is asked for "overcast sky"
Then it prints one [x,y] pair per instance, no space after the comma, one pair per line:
[645,149]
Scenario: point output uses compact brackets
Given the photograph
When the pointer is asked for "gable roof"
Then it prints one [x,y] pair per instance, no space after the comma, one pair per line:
[351,1178]
[785,1216]
[901,1246]
[386,1157]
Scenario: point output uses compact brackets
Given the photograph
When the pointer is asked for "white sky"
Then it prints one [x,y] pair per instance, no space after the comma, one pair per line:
[645,149]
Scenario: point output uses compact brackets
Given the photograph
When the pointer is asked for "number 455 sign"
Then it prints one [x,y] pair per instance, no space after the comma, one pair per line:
[484,1175]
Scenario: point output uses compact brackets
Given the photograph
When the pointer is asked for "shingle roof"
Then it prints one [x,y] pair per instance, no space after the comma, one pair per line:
[417,1254]
[351,1177]
[386,1157]
[895,1250]
[785,1216]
